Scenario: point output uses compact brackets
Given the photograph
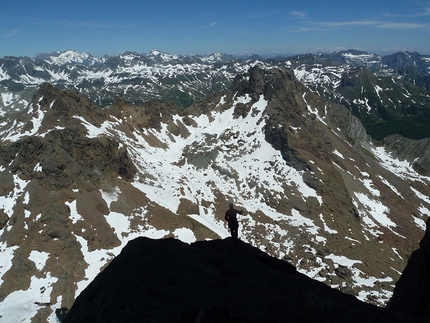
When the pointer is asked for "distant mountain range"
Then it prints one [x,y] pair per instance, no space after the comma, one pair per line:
[389,94]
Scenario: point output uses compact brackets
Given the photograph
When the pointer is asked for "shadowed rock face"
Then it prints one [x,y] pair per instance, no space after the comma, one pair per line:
[412,292]
[212,281]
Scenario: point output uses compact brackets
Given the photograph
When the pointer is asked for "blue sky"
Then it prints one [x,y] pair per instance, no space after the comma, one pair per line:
[185,27]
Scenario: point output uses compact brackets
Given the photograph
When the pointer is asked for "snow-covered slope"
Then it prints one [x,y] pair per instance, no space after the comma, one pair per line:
[135,77]
[78,182]
[385,93]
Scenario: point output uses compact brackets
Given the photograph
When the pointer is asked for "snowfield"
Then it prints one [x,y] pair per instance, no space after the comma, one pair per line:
[245,154]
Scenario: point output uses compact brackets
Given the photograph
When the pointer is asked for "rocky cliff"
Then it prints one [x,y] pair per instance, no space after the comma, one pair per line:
[212,281]
[416,152]
[412,292]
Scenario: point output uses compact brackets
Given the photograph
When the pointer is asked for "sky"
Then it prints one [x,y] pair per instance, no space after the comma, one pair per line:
[107,27]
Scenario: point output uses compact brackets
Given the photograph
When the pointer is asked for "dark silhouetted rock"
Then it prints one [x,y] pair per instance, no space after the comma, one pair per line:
[212,281]
[412,292]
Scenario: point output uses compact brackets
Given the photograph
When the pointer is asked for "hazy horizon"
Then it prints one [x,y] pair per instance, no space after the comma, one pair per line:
[267,55]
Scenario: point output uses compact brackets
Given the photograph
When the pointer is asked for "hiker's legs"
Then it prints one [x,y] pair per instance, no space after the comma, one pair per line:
[233,230]
[234,233]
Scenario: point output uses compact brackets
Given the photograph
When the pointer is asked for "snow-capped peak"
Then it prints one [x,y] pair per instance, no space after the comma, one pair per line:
[164,56]
[69,57]
[212,58]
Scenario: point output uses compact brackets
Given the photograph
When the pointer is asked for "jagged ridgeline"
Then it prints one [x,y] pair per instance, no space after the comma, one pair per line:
[78,182]
[389,94]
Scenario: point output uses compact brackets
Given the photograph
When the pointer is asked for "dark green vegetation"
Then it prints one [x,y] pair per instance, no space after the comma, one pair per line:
[386,105]
[408,129]
[390,94]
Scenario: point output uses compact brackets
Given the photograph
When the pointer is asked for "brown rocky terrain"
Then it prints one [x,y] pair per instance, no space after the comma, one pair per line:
[77,182]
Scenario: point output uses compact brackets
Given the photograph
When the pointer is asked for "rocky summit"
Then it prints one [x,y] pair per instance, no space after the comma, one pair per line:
[213,281]
[78,182]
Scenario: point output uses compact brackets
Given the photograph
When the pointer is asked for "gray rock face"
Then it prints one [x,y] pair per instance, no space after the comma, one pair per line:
[3,219]
[417,152]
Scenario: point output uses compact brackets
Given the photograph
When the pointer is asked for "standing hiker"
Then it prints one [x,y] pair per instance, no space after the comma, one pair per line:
[231,218]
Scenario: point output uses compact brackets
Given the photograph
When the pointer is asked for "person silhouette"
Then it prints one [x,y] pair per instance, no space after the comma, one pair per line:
[231,218]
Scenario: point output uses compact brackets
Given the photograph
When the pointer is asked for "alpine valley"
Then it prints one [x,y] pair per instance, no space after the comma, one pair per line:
[328,156]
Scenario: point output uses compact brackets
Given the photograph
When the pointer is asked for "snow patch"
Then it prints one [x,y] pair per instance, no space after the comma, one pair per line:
[39,258]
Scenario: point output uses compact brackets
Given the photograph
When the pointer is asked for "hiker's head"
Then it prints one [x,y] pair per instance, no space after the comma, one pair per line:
[230,205]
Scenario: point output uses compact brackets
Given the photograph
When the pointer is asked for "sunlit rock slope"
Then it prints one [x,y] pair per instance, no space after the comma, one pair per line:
[77,182]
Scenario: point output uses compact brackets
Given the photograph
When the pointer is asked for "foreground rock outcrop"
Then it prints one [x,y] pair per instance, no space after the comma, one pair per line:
[412,292]
[212,281]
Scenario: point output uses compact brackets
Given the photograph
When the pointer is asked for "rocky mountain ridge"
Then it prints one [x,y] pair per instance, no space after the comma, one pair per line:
[79,181]
[136,78]
[388,94]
